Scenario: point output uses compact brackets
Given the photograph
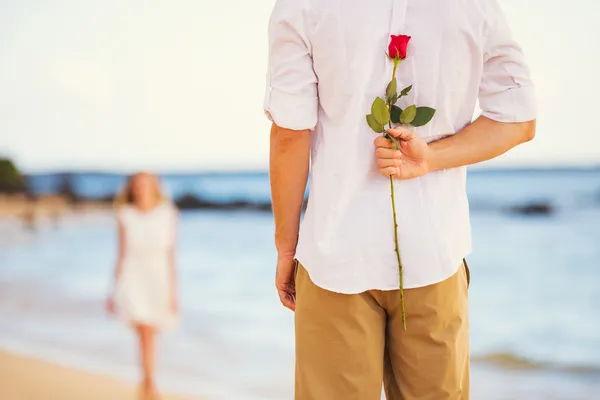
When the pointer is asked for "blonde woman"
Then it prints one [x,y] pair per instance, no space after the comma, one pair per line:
[145,294]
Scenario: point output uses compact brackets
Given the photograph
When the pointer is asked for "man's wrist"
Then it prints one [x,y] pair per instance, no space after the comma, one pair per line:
[286,254]
[432,158]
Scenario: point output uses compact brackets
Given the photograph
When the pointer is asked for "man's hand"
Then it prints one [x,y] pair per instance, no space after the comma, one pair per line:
[285,280]
[479,141]
[409,161]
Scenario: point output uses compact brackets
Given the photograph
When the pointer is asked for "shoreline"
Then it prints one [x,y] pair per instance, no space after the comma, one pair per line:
[29,378]
[48,206]
[53,206]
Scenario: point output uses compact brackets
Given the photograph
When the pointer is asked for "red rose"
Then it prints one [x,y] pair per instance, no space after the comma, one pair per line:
[398,46]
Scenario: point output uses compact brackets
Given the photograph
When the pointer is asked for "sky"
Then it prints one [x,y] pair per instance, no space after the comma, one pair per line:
[178,85]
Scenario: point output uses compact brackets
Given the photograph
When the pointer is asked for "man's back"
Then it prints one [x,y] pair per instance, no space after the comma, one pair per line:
[460,51]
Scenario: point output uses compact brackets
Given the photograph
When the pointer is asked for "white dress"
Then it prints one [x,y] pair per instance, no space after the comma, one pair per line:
[143,292]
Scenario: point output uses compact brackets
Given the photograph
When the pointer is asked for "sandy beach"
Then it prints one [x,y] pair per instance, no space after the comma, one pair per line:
[24,378]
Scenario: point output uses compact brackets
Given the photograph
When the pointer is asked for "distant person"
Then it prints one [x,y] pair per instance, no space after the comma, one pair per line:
[145,293]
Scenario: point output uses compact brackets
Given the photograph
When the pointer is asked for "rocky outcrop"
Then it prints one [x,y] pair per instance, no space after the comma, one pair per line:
[534,208]
[11,180]
[191,202]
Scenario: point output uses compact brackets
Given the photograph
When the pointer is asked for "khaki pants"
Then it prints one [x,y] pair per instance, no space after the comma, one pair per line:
[348,345]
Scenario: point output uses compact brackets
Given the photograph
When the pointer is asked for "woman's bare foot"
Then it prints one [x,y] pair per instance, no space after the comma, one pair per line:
[148,392]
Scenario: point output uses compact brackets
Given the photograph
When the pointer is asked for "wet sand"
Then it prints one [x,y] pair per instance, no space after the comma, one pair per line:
[24,378]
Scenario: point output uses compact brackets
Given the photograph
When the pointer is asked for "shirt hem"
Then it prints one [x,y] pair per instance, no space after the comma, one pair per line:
[383,288]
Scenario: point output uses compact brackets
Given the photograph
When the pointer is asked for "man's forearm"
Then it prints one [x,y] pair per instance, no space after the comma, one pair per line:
[482,140]
[289,167]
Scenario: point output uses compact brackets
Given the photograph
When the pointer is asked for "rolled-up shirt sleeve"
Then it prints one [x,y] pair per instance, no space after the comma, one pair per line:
[291,99]
[506,93]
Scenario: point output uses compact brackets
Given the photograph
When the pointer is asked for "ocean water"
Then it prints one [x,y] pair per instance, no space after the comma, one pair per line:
[534,297]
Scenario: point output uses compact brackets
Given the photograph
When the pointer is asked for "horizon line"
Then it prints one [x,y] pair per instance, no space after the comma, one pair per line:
[253,171]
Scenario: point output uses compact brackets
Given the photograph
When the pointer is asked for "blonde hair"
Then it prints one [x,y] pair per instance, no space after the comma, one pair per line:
[126,197]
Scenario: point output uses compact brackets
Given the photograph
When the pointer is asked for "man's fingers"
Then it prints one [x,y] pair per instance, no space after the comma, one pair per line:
[388,162]
[287,299]
[383,143]
[388,153]
[402,133]
[389,171]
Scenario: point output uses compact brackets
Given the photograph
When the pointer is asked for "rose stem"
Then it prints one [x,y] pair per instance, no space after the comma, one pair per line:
[396,61]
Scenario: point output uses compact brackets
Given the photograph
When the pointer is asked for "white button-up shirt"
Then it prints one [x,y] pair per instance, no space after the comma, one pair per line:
[327,64]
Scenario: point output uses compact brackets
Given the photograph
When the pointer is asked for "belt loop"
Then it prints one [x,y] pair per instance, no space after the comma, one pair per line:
[468,271]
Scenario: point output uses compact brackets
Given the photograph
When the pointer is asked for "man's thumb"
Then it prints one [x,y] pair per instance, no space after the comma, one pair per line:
[401,133]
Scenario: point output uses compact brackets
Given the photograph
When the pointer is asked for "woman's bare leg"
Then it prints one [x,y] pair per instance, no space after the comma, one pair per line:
[146,336]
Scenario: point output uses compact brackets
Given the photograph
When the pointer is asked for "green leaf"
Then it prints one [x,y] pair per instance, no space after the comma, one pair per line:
[395,117]
[408,115]
[424,115]
[380,111]
[377,127]
[405,91]
[391,90]
[394,99]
